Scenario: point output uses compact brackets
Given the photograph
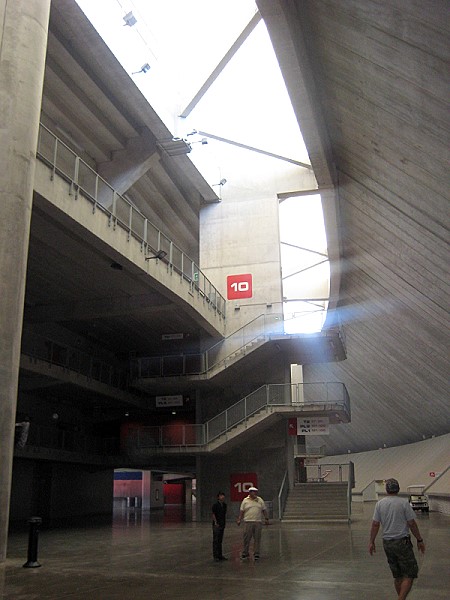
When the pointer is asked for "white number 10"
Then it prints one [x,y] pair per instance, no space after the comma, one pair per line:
[243,487]
[240,286]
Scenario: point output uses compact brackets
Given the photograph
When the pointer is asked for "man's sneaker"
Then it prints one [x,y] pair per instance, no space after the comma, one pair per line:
[244,556]
[256,557]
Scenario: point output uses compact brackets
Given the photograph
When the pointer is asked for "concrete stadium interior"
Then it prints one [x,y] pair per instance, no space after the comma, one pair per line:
[123,352]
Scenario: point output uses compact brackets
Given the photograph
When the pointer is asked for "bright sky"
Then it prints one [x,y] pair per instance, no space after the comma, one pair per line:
[183,42]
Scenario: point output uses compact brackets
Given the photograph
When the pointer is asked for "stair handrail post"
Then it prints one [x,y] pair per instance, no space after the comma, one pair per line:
[350,485]
[280,495]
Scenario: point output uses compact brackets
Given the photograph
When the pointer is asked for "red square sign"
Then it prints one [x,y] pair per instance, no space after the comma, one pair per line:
[239,286]
[239,484]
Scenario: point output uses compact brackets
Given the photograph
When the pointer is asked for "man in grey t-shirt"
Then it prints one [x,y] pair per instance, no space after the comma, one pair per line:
[397,519]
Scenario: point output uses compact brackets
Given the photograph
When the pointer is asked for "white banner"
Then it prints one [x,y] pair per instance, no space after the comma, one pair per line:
[162,401]
[313,426]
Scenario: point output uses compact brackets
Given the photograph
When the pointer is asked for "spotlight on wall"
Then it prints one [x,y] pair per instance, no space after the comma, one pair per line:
[159,255]
[130,19]
[203,142]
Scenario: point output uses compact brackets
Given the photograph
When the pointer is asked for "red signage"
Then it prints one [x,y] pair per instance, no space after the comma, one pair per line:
[239,484]
[239,286]
[292,426]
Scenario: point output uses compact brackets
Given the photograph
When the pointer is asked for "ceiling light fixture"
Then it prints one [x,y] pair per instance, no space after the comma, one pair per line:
[130,19]
[144,69]
[203,142]
[116,266]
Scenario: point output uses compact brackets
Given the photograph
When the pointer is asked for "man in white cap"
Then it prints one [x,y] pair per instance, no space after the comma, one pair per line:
[252,509]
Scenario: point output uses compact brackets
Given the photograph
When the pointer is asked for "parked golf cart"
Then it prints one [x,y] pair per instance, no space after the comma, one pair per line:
[417,499]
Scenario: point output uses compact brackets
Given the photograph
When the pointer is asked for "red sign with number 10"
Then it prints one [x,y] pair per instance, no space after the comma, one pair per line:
[239,286]
[239,484]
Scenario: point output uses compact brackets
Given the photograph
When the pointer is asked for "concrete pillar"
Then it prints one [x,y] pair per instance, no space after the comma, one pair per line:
[146,489]
[23,43]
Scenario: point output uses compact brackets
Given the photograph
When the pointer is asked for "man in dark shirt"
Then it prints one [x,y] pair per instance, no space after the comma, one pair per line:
[219,519]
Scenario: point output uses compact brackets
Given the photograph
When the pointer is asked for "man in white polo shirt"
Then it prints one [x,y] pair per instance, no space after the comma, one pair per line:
[252,509]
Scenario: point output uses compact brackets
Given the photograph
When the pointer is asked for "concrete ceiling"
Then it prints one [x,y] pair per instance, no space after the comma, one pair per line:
[369,83]
[366,80]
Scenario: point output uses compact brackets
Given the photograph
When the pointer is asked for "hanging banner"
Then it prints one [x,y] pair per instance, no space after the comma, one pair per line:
[313,426]
[292,426]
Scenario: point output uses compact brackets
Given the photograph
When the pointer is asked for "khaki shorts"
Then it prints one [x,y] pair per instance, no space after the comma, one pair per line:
[401,559]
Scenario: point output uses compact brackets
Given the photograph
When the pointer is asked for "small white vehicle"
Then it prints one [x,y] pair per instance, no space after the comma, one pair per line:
[417,499]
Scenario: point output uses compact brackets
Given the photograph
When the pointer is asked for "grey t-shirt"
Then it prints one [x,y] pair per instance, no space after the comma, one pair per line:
[393,512]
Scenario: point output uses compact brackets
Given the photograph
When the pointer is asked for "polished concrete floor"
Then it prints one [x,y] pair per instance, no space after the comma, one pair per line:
[162,556]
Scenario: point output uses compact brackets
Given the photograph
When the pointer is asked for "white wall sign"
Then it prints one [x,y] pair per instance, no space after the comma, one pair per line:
[172,336]
[313,426]
[162,401]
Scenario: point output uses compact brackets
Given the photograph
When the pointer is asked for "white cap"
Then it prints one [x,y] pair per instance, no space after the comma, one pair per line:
[252,489]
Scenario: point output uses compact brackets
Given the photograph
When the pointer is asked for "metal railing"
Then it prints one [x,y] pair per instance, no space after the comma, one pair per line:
[328,472]
[282,495]
[223,353]
[303,450]
[298,395]
[42,437]
[327,395]
[85,181]
[63,355]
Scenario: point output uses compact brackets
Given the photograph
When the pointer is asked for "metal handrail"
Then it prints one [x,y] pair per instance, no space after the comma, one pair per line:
[42,437]
[224,352]
[63,355]
[263,398]
[280,495]
[85,181]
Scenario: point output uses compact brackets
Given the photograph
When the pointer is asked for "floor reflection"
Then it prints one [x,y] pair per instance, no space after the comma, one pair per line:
[170,513]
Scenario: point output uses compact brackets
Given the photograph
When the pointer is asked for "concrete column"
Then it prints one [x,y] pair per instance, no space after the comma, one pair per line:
[23,43]
[146,489]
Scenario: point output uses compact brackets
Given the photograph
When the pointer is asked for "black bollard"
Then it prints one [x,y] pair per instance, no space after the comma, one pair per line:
[33,538]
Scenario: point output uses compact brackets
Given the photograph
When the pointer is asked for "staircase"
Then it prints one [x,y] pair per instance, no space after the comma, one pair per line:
[325,501]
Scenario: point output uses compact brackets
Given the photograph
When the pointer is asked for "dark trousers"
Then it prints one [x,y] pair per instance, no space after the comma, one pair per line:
[218,531]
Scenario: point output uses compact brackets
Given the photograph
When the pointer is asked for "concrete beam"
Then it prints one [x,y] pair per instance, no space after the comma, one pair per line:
[127,166]
[100,308]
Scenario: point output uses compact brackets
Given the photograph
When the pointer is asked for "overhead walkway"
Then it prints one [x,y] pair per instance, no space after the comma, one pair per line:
[246,347]
[46,362]
[244,419]
[65,181]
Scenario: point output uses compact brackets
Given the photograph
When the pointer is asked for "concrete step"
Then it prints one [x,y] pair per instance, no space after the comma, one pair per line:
[317,502]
